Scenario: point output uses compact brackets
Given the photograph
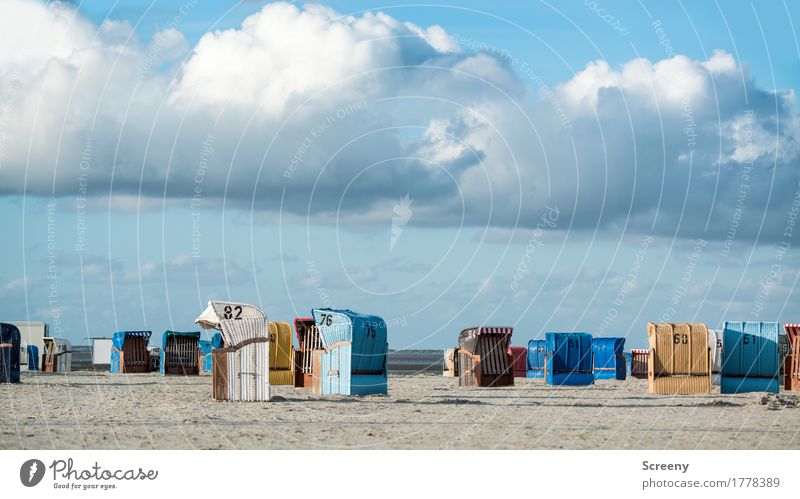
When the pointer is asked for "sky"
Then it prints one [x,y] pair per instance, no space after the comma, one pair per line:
[567,166]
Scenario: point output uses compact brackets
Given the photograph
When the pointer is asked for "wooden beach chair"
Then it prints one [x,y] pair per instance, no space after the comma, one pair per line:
[308,341]
[180,353]
[519,359]
[129,352]
[483,357]
[640,357]
[450,367]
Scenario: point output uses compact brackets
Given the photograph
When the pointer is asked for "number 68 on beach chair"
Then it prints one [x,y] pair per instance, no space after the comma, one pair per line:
[240,370]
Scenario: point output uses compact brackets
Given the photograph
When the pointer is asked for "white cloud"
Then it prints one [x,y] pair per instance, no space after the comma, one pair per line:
[364,109]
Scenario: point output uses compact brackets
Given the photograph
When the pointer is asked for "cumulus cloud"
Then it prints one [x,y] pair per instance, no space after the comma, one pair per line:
[314,112]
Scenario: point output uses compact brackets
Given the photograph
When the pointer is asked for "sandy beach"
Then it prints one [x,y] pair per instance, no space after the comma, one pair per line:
[88,410]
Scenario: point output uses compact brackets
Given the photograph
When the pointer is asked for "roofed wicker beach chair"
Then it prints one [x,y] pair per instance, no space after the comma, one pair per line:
[483,358]
[206,347]
[308,341]
[129,352]
[281,354]
[57,356]
[180,353]
[10,340]
[241,369]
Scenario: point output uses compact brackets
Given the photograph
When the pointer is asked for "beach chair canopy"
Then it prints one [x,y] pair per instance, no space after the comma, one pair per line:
[750,349]
[679,349]
[301,328]
[606,351]
[570,351]
[366,334]
[185,334]
[219,312]
[469,339]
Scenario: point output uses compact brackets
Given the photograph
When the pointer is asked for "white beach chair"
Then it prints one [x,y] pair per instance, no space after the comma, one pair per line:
[240,370]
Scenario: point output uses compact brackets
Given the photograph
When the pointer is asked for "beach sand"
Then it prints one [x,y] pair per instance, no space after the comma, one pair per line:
[87,410]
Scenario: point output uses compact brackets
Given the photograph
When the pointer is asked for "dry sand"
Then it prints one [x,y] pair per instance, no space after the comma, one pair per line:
[147,411]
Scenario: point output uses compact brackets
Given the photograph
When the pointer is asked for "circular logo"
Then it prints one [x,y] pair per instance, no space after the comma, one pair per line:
[31,472]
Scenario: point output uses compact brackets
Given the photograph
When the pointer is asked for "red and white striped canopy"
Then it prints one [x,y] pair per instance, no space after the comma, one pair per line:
[792,330]
[496,330]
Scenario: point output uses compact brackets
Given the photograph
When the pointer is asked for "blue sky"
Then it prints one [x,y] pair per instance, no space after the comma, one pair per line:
[568,166]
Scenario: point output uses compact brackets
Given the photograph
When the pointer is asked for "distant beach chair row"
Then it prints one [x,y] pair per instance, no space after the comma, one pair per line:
[343,352]
[683,358]
[484,357]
